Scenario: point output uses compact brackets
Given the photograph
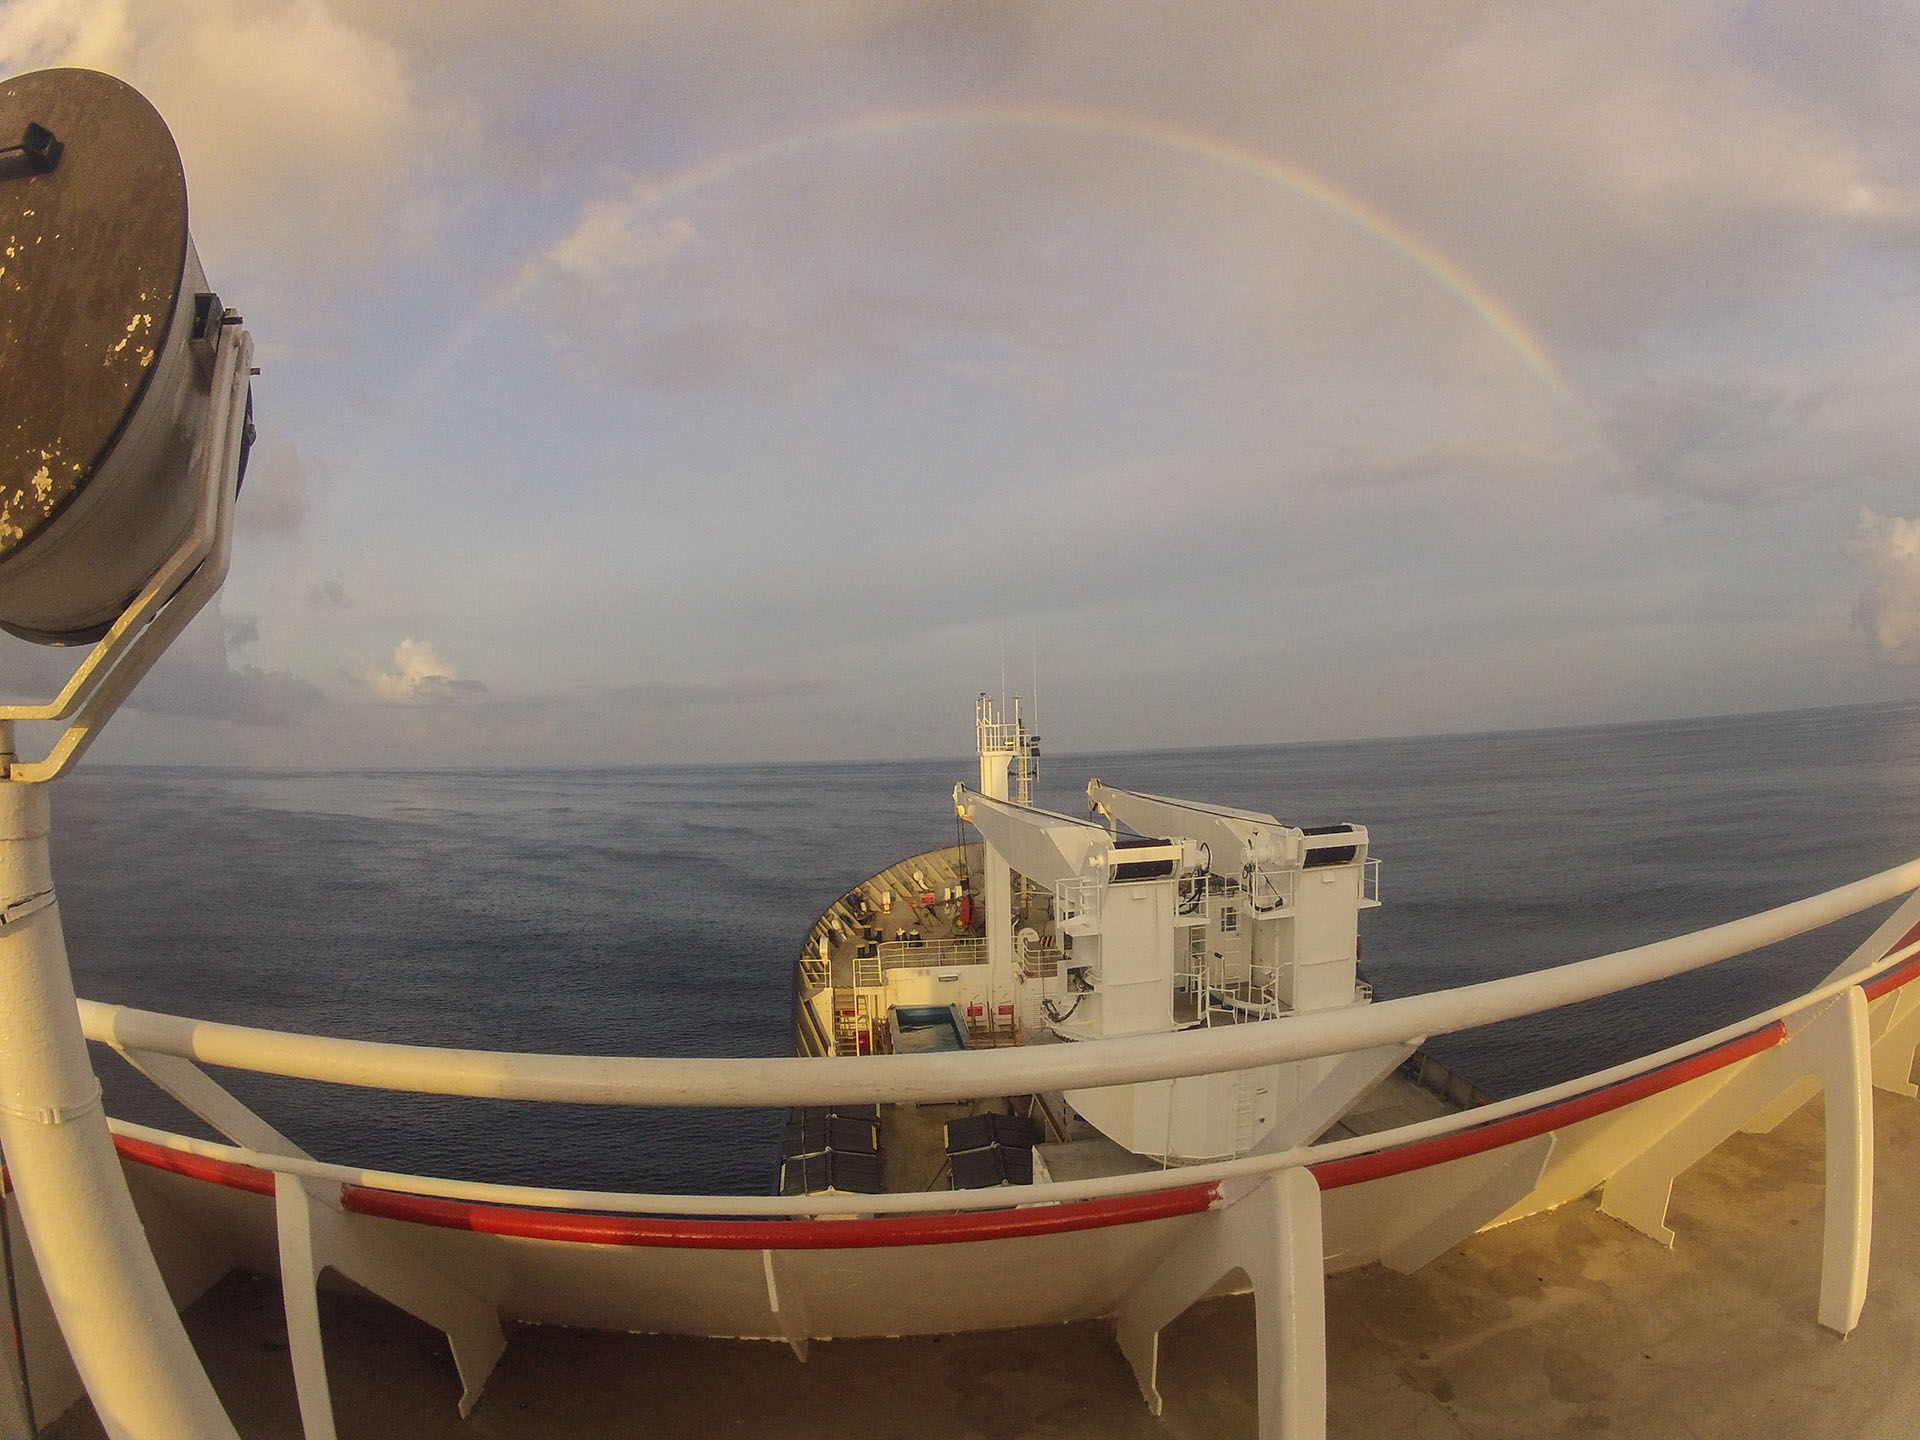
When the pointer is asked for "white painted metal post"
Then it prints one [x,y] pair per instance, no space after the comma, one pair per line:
[299,1269]
[1828,1048]
[1846,1070]
[1271,1233]
[1290,1310]
[120,1325]
[783,1299]
[996,759]
[315,1235]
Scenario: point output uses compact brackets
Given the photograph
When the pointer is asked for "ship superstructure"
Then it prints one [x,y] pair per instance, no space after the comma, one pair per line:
[1152,916]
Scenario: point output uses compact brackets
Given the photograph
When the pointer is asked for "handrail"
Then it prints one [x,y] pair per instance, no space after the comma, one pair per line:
[781,1082]
[1244,1167]
[932,954]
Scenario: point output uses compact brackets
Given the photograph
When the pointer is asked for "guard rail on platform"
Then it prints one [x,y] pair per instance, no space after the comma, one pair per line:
[1258,1213]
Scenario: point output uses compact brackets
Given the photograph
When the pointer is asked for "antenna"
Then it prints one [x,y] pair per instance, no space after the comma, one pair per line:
[1033,639]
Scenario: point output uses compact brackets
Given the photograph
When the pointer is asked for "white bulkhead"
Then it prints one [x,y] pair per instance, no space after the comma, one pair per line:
[1194,916]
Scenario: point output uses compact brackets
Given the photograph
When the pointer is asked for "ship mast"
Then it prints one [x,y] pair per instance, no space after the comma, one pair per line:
[1009,761]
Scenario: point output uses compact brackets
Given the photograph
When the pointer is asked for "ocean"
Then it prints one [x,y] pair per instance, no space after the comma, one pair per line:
[660,911]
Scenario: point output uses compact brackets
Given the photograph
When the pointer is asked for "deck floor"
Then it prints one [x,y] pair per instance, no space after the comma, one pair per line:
[1563,1325]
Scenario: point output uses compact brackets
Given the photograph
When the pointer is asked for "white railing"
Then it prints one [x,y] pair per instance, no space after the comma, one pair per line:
[1279,1200]
[907,1202]
[931,954]
[1076,901]
[780,1082]
[1041,962]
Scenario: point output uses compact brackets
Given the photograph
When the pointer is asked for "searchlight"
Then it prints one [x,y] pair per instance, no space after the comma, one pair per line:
[124,427]
[123,389]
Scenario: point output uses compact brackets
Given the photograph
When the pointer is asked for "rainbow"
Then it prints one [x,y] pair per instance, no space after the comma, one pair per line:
[725,164]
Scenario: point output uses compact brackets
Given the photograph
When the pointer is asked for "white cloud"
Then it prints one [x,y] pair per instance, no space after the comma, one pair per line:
[300,132]
[36,33]
[1889,611]
[418,676]
[613,239]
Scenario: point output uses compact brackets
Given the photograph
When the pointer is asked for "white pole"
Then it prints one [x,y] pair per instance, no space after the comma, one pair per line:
[120,1325]
[996,758]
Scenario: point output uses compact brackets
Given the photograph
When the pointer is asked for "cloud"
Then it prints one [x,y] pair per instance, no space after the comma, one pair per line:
[420,677]
[1889,611]
[300,132]
[611,239]
[329,595]
[197,678]
[273,501]
[1721,441]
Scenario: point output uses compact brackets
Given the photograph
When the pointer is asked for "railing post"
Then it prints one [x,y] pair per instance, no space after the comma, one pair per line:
[299,1296]
[784,1300]
[1845,1060]
[1290,1311]
[120,1325]
[1271,1233]
[315,1235]
[1829,1046]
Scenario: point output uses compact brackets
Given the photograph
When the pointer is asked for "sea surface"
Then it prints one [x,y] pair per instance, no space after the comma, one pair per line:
[660,911]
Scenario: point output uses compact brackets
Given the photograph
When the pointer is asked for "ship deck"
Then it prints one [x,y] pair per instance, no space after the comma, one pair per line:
[1564,1324]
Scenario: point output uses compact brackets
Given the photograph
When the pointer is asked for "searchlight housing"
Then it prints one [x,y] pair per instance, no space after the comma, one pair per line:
[123,389]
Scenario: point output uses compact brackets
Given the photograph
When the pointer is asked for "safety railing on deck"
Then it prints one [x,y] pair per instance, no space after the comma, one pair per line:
[931,954]
[1270,1231]
[780,1083]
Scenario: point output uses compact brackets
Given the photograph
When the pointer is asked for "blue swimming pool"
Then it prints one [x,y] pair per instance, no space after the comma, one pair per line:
[922,1029]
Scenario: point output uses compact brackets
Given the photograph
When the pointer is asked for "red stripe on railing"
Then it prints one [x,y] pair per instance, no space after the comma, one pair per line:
[1332,1174]
[680,1232]
[685,1233]
[196,1167]
[1900,974]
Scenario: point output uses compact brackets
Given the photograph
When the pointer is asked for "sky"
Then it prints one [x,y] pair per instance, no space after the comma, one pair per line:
[693,382]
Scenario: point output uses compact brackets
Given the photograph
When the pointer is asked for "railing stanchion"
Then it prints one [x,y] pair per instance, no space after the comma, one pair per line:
[1839,1039]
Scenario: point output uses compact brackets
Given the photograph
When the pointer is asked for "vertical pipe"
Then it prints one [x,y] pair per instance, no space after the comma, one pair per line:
[120,1324]
[996,759]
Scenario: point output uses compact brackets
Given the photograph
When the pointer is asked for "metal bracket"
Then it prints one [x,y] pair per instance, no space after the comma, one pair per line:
[37,153]
[15,911]
[182,586]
